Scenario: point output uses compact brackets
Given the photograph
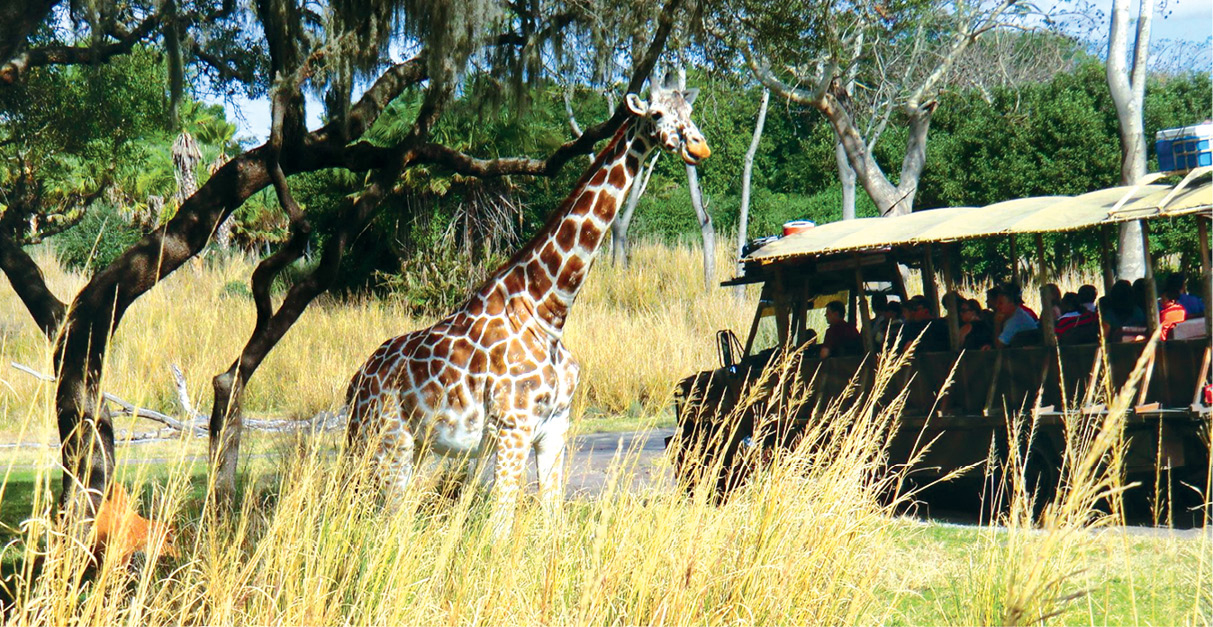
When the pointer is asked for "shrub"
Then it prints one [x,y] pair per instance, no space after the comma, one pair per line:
[97,240]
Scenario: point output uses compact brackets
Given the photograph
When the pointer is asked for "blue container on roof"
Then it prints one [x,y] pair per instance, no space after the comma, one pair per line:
[1182,149]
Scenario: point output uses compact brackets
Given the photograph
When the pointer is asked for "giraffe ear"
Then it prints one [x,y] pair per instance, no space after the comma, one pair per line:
[690,95]
[636,105]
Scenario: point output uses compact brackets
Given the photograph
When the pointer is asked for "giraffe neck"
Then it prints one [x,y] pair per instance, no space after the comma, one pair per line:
[548,272]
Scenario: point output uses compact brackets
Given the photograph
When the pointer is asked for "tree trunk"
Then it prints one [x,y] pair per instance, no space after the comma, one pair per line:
[226,425]
[1127,85]
[706,231]
[747,171]
[623,221]
[186,158]
[891,200]
[84,428]
[846,176]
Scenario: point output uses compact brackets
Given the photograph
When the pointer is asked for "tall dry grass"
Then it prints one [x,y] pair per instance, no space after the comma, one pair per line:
[811,539]
[801,544]
[815,537]
[635,332]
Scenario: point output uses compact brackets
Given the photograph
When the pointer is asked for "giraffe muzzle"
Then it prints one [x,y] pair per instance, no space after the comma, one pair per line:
[695,151]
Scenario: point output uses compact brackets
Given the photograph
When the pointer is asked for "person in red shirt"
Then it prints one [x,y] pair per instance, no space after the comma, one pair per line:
[841,336]
[1171,312]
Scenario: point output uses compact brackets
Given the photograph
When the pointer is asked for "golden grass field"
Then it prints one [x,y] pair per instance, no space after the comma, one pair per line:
[635,333]
[813,539]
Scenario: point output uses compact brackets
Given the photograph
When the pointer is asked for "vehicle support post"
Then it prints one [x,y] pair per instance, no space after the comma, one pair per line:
[1047,323]
[931,291]
[1105,260]
[949,280]
[1151,289]
[1206,276]
[1014,261]
[781,309]
[763,297]
[865,317]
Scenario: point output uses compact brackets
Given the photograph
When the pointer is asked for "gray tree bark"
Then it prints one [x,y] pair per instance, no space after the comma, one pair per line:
[747,171]
[1127,85]
[619,228]
[706,230]
[846,176]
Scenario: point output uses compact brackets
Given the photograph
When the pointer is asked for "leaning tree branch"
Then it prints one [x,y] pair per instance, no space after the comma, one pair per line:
[13,68]
[27,280]
[468,165]
[18,20]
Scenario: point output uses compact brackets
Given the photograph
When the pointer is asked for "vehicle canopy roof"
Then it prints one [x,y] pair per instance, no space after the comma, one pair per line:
[1041,214]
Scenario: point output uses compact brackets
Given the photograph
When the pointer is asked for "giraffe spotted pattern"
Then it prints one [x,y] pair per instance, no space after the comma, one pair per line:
[494,376]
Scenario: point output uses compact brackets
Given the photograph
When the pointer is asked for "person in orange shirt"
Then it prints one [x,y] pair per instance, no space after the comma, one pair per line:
[1170,312]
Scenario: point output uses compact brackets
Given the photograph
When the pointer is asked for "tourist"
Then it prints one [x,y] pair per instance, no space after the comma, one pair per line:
[1018,325]
[1087,295]
[1052,295]
[975,334]
[932,334]
[842,338]
[1076,324]
[1177,282]
[1119,310]
[1172,312]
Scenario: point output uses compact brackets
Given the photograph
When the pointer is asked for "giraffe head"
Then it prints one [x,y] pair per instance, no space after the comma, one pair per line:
[666,121]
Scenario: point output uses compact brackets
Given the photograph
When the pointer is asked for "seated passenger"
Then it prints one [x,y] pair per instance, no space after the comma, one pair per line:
[1172,312]
[951,300]
[1087,296]
[1141,291]
[990,314]
[1177,282]
[892,327]
[1118,311]
[920,324]
[841,336]
[975,334]
[1076,325]
[1020,329]
[1054,295]
[1016,294]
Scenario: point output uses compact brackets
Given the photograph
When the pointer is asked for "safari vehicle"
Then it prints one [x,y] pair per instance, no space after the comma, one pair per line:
[1167,428]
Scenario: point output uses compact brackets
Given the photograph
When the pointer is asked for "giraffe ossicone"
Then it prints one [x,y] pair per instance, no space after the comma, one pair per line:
[494,377]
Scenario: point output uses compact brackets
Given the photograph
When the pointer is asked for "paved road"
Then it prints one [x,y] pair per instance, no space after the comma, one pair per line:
[636,457]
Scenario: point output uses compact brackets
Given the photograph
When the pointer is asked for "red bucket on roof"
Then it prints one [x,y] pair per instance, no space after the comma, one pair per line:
[797,226]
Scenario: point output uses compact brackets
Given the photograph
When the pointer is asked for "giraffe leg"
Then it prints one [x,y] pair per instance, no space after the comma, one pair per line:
[508,474]
[550,458]
[399,458]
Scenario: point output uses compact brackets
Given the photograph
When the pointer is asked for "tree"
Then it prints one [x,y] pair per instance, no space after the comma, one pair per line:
[1127,83]
[747,175]
[331,52]
[707,232]
[905,50]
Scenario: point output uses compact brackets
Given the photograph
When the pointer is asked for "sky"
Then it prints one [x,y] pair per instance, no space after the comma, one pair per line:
[1178,20]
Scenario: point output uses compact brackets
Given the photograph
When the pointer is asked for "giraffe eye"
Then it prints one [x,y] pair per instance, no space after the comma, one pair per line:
[655,115]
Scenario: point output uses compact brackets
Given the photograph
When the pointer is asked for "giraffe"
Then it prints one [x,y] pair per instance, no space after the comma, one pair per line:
[494,377]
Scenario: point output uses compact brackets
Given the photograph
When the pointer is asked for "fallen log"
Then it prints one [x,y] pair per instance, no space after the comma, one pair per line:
[195,423]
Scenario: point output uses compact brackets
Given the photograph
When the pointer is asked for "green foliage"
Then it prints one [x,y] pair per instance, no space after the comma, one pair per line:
[80,128]
[435,283]
[102,234]
[1054,138]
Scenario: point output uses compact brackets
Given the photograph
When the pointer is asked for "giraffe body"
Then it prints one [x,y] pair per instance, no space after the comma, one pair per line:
[494,376]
